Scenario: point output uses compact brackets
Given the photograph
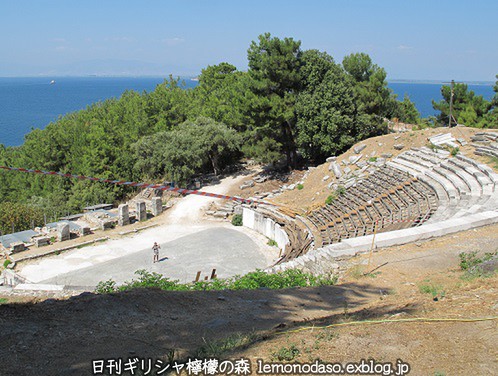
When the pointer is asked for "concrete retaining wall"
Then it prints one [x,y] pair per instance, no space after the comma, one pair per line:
[265,226]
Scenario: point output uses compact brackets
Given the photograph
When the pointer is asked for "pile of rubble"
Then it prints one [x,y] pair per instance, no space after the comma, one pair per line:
[224,209]
[485,143]
[354,169]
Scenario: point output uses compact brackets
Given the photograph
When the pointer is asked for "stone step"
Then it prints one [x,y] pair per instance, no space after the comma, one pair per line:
[448,186]
[469,179]
[416,159]
[460,184]
[440,192]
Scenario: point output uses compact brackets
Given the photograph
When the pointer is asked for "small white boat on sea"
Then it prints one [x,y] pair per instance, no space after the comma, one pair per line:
[52,82]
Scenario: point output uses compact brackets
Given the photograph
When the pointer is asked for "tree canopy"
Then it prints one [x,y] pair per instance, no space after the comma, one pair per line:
[468,108]
[289,101]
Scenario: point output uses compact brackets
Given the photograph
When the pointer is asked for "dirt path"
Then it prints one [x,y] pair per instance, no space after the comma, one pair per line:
[189,209]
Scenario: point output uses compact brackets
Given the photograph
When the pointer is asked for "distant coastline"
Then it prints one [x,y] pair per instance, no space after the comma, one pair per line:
[440,82]
[196,78]
[31,102]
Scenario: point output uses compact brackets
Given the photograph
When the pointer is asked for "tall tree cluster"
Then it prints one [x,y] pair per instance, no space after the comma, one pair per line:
[467,108]
[289,103]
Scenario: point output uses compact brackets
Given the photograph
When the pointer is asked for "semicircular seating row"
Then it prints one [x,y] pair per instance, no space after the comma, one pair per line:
[463,185]
[416,187]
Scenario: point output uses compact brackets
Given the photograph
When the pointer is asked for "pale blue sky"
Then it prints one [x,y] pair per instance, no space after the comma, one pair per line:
[421,39]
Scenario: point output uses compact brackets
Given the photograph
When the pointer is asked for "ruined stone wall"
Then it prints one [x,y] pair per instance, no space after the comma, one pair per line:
[265,226]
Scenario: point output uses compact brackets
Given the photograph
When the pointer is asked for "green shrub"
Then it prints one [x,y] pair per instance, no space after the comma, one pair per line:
[493,161]
[469,260]
[372,159]
[330,199]
[299,186]
[237,220]
[105,287]
[433,290]
[272,243]
[471,264]
[286,353]
[338,192]
[254,280]
[6,263]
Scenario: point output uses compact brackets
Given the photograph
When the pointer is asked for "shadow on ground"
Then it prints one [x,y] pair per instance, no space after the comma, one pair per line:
[63,337]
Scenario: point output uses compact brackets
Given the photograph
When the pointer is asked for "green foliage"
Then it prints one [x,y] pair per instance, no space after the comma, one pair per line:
[469,260]
[285,353]
[217,348]
[3,300]
[19,217]
[272,243]
[373,95]
[468,109]
[327,115]
[189,149]
[372,159]
[275,79]
[434,290]
[493,161]
[407,112]
[338,192]
[254,280]
[105,287]
[299,186]
[224,95]
[237,220]
[330,199]
[289,100]
[6,263]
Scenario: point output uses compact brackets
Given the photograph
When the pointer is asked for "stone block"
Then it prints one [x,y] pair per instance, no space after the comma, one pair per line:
[220,214]
[355,158]
[63,232]
[157,206]
[17,247]
[85,231]
[141,211]
[247,184]
[107,224]
[41,241]
[359,148]
[123,215]
[336,169]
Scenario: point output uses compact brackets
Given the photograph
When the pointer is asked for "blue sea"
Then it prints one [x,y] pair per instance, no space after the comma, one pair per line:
[27,103]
